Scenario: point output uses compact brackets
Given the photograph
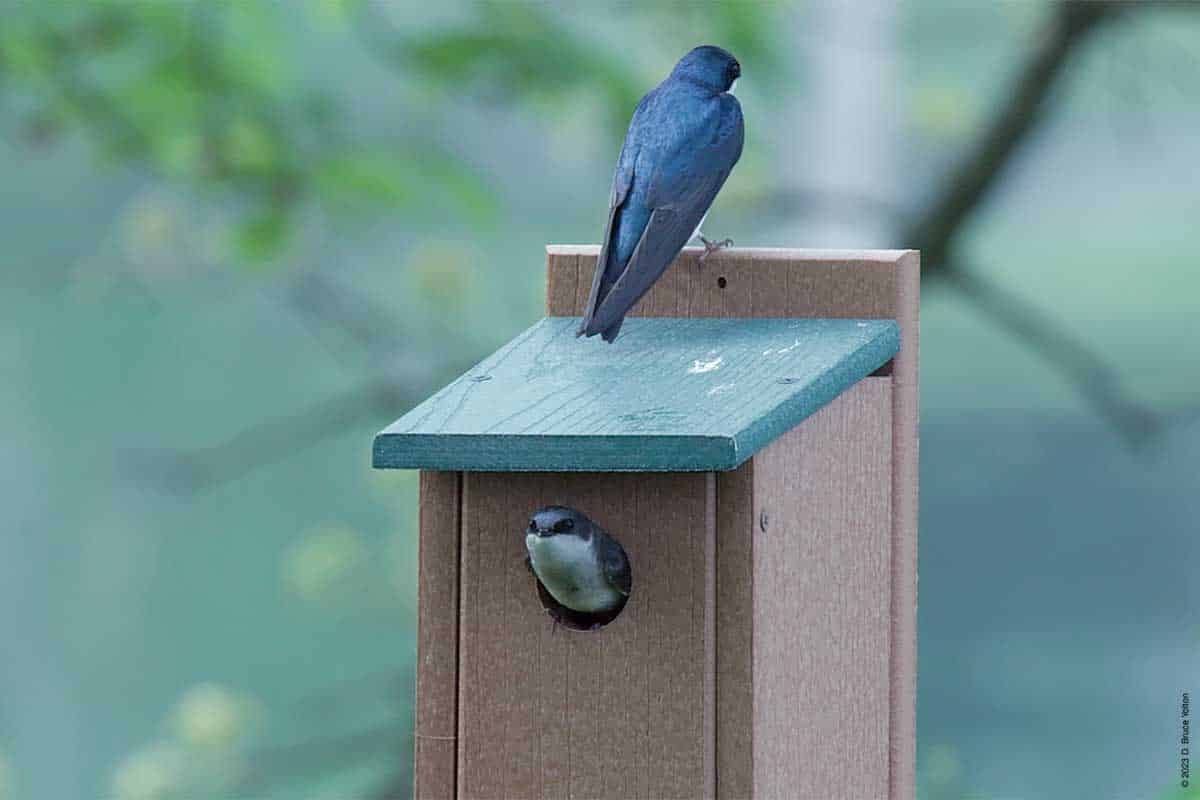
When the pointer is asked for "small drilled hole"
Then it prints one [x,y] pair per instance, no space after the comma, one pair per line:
[721,282]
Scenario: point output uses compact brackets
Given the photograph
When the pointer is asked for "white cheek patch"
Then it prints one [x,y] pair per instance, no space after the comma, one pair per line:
[733,85]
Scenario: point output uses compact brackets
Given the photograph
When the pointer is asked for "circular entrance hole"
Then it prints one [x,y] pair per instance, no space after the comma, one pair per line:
[573,552]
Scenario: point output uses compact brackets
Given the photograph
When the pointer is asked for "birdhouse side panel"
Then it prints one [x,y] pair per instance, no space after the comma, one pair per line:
[803,608]
[822,598]
[624,711]
[437,636]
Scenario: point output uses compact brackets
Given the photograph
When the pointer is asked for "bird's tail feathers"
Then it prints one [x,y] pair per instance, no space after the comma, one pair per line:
[589,326]
[610,333]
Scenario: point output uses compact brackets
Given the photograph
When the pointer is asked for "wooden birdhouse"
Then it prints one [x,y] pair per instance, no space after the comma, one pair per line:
[751,441]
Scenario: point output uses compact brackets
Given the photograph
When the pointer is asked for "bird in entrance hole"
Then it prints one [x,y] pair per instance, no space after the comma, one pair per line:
[683,141]
[577,562]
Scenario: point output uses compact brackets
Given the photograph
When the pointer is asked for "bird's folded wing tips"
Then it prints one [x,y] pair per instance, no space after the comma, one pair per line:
[665,235]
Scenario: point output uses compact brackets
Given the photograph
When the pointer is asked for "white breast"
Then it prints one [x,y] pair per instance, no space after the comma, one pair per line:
[569,570]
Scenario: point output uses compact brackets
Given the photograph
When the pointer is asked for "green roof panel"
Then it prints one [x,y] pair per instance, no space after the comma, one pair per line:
[670,394]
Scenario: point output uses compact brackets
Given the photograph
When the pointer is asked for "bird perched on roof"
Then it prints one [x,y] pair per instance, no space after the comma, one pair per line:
[683,140]
[577,562]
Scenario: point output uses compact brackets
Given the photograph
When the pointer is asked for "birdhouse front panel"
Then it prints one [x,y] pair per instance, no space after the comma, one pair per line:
[622,711]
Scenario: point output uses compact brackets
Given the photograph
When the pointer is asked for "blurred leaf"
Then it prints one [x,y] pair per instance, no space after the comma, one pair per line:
[251,146]
[516,52]
[325,564]
[351,181]
[748,30]
[262,237]
[373,177]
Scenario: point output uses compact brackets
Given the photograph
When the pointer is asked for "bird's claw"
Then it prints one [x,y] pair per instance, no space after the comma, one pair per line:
[711,247]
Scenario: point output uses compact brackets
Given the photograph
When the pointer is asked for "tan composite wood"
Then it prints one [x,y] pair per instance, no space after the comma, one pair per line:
[626,711]
[766,282]
[437,636]
[905,446]
[759,282]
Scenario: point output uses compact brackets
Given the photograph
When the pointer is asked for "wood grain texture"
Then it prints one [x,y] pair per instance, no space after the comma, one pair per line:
[562,289]
[669,395]
[822,603]
[437,636]
[905,446]
[796,283]
[803,598]
[625,711]
[758,282]
[736,736]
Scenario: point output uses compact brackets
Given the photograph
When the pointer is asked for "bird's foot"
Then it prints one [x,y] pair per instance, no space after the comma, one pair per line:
[711,246]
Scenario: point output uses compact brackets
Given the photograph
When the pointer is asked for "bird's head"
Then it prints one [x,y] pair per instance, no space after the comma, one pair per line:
[711,67]
[559,521]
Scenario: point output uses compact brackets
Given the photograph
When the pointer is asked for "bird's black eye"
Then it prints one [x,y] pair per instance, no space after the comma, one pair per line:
[533,524]
[564,525]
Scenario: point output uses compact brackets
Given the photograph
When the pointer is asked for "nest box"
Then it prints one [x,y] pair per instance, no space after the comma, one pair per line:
[751,441]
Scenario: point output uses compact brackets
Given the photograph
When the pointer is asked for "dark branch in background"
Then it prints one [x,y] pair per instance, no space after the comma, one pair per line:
[373,326]
[328,304]
[967,185]
[1094,377]
[268,441]
[935,232]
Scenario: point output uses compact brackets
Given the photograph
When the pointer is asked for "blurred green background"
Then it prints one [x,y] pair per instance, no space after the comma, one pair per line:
[239,238]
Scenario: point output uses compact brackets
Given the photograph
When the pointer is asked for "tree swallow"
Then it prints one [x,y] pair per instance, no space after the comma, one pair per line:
[683,141]
[577,562]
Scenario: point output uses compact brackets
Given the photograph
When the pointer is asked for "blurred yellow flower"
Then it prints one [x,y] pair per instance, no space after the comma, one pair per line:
[944,111]
[152,773]
[445,274]
[323,562]
[209,716]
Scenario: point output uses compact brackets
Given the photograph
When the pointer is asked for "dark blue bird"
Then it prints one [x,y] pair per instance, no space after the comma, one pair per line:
[683,140]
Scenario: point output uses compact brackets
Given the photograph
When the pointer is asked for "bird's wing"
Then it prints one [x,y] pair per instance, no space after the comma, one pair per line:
[622,181]
[680,192]
[614,563]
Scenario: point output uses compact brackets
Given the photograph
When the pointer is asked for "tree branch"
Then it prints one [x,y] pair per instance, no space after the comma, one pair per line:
[266,442]
[370,324]
[934,232]
[1093,377]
